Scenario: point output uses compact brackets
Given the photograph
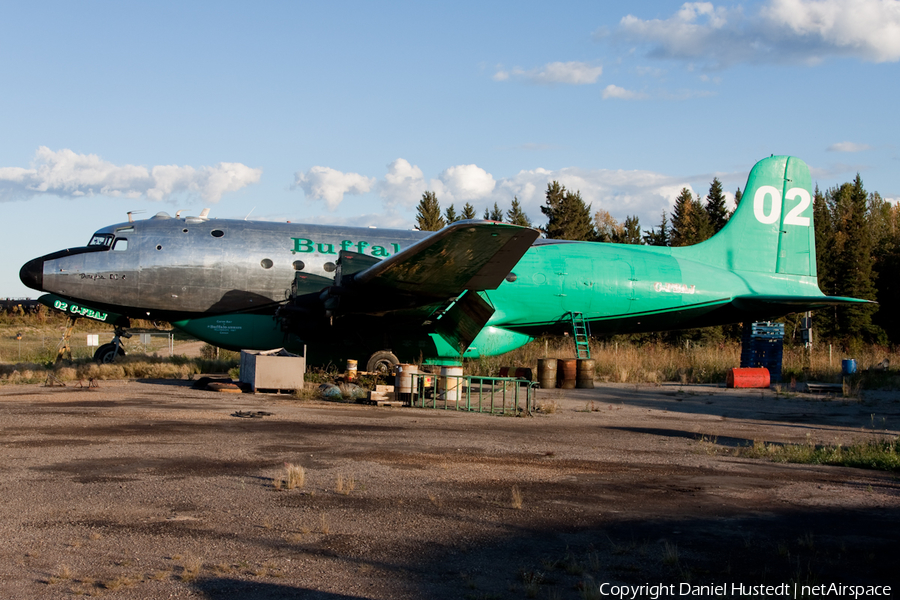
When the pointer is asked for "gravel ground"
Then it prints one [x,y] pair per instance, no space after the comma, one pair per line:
[151,489]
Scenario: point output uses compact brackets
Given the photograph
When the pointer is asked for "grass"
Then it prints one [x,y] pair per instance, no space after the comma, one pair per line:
[345,484]
[294,476]
[879,454]
[516,497]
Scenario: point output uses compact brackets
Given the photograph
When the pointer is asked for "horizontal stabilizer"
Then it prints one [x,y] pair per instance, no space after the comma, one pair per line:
[791,304]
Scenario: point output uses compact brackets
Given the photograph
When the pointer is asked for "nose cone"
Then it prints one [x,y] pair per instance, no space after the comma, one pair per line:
[32,274]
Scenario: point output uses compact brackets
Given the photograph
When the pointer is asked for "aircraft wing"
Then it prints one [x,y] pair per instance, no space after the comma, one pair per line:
[467,255]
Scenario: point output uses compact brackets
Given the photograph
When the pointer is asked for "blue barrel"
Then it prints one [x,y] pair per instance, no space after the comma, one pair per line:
[848,366]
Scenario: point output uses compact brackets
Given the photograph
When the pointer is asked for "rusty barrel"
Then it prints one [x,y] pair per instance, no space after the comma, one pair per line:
[403,382]
[747,378]
[584,374]
[566,372]
[547,372]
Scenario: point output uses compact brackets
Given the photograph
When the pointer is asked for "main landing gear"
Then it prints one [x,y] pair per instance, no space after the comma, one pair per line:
[382,362]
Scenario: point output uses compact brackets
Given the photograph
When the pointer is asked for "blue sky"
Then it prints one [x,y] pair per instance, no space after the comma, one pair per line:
[346,112]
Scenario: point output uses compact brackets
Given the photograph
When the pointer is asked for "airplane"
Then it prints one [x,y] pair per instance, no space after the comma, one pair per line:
[474,288]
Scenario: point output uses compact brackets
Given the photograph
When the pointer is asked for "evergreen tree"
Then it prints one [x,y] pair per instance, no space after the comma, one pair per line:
[428,215]
[487,214]
[631,231]
[824,320]
[568,216]
[887,265]
[496,213]
[716,211]
[854,262]
[659,236]
[690,225]
[737,197]
[450,215]
[516,215]
[468,212]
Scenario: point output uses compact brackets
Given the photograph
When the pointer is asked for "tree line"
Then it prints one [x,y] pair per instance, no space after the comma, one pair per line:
[857,245]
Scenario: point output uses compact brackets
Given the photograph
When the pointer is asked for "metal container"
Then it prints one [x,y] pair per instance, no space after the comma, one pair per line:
[584,374]
[566,372]
[450,382]
[547,373]
[403,381]
[351,370]
[748,378]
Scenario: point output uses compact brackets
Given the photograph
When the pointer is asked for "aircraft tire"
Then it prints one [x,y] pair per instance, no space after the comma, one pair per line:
[106,354]
[382,362]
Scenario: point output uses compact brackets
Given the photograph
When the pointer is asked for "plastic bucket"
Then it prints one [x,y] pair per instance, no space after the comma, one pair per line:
[747,378]
[584,374]
[566,371]
[547,372]
[848,366]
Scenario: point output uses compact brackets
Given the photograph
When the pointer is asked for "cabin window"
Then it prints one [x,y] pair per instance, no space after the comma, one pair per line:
[159,247]
[329,267]
[511,277]
[122,230]
[298,265]
[121,244]
[217,233]
[101,239]
[266,263]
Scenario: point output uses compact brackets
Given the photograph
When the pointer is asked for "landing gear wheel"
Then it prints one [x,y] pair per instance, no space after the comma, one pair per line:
[382,362]
[106,354]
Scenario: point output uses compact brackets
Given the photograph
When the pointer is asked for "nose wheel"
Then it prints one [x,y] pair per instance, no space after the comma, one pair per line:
[108,353]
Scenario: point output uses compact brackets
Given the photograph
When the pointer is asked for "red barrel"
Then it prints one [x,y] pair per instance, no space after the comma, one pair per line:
[566,372]
[747,378]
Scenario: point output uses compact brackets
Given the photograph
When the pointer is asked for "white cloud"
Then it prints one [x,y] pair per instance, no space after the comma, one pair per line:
[403,185]
[330,185]
[68,174]
[466,182]
[572,73]
[782,31]
[848,147]
[619,93]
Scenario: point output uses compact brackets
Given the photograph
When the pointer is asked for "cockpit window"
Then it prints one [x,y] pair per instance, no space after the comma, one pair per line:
[101,239]
[121,244]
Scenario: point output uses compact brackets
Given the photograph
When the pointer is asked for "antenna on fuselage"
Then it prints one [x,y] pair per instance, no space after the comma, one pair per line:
[131,213]
[178,213]
[249,213]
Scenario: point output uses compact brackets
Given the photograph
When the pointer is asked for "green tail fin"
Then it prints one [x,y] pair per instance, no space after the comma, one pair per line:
[771,230]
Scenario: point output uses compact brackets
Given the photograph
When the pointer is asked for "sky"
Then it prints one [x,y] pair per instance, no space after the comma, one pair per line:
[347,112]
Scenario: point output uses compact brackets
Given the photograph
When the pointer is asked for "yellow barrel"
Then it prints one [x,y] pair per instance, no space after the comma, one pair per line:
[351,370]
[584,374]
[566,372]
[547,373]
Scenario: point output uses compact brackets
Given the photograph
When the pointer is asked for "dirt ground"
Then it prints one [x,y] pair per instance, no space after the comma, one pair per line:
[150,489]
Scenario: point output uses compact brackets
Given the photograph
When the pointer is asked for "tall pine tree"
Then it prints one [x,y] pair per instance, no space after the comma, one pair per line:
[568,216]
[428,213]
[468,212]
[516,215]
[450,215]
[716,211]
[659,236]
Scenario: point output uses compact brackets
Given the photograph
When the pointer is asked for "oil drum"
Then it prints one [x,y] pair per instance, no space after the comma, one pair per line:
[584,374]
[566,371]
[547,373]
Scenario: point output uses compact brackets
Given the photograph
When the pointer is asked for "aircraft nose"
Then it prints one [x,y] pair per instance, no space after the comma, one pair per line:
[32,274]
